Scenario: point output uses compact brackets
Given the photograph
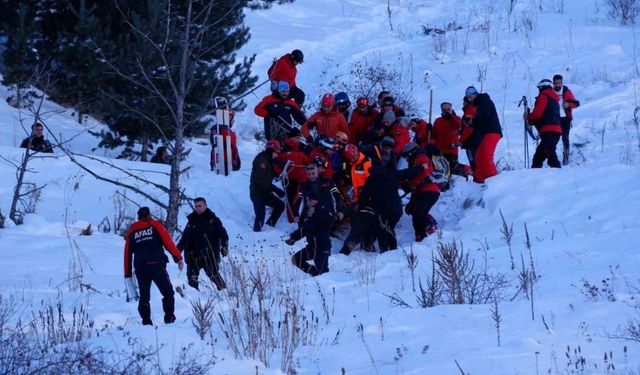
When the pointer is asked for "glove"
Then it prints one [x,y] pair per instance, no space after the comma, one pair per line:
[290,241]
[277,191]
[224,249]
[311,124]
[270,108]
[429,126]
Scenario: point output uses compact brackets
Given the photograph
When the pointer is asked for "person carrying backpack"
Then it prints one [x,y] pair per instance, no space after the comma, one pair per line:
[546,118]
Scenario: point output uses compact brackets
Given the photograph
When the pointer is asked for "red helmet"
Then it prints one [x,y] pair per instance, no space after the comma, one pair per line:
[274,145]
[351,152]
[328,100]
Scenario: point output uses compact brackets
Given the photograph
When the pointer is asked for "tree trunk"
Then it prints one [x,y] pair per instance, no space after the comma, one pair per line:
[174,179]
[13,212]
[145,146]
[80,108]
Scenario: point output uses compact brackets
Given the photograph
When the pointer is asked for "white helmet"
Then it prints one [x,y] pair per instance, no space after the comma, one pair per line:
[544,84]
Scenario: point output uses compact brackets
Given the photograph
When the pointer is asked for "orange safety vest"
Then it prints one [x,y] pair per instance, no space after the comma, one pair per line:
[359,174]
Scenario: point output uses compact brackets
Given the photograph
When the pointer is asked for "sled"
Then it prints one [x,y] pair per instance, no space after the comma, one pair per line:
[222,158]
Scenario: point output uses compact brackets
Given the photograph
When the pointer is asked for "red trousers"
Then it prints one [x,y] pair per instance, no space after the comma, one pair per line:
[485,167]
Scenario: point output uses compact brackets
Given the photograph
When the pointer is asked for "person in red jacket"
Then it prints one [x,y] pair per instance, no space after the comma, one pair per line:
[546,118]
[420,130]
[284,69]
[327,121]
[468,140]
[567,103]
[486,126]
[361,120]
[145,242]
[325,149]
[279,113]
[425,194]
[400,134]
[293,152]
[446,135]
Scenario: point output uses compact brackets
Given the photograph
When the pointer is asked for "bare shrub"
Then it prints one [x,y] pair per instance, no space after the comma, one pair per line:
[431,294]
[203,314]
[122,216]
[53,328]
[625,11]
[507,236]
[264,312]
[463,284]
[367,78]
[56,343]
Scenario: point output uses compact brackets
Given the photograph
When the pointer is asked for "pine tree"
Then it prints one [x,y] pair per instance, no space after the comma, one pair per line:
[20,57]
[78,70]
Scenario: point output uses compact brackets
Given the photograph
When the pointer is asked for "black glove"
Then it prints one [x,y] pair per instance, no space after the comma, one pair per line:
[429,126]
[311,124]
[277,191]
[224,249]
[270,108]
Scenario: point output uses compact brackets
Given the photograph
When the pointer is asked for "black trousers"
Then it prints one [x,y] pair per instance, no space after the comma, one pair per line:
[156,273]
[566,128]
[298,96]
[318,249]
[420,205]
[362,230]
[387,234]
[210,264]
[546,150]
[471,154]
[260,203]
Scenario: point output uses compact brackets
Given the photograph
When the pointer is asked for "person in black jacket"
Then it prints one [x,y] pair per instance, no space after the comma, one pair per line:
[145,242]
[36,141]
[486,126]
[203,240]
[379,209]
[161,156]
[316,220]
[261,188]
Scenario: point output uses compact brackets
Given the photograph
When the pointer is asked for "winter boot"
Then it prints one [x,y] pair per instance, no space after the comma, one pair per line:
[193,282]
[345,250]
[257,225]
[144,309]
[168,305]
[219,281]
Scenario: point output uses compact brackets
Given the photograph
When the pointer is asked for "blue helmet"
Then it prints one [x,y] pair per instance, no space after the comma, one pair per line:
[343,98]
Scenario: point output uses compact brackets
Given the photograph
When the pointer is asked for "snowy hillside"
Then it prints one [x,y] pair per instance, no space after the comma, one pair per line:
[364,316]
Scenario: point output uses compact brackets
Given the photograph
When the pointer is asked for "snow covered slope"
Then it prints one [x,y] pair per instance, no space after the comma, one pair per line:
[581,220]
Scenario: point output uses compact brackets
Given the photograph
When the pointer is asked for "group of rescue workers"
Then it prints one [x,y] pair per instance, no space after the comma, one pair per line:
[340,168]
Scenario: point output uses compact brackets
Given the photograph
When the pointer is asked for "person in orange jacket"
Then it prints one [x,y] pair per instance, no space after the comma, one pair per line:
[567,103]
[284,69]
[359,166]
[145,242]
[327,121]
[361,120]
[546,118]
[279,113]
